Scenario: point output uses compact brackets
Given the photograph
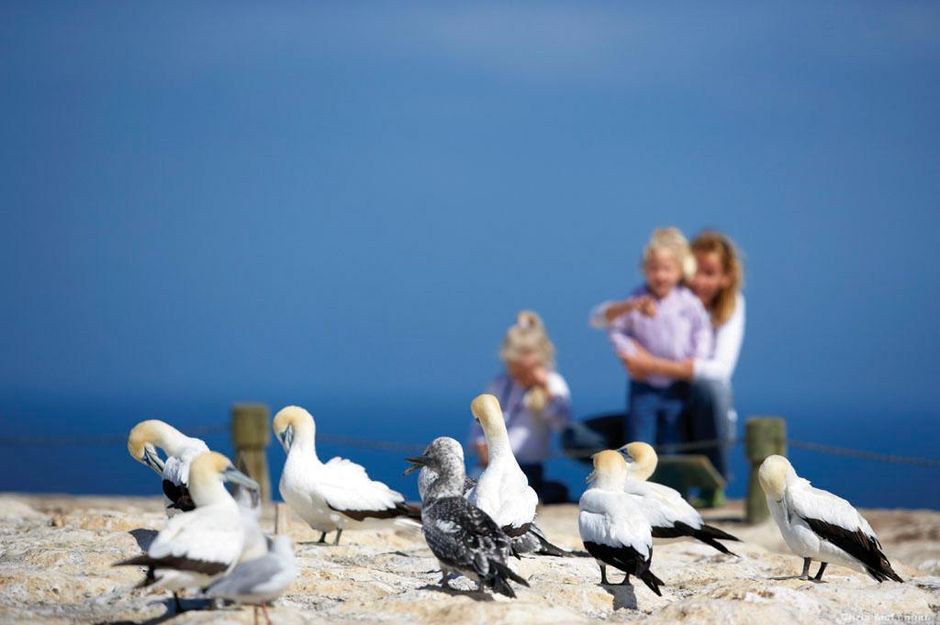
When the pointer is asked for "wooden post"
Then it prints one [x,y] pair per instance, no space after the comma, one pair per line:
[763,437]
[250,438]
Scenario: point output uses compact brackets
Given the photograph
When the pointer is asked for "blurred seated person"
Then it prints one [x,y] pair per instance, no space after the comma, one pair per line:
[535,400]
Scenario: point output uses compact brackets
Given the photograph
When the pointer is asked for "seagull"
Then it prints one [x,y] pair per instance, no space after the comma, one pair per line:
[333,495]
[462,537]
[670,515]
[503,490]
[612,529]
[198,546]
[818,525]
[261,579]
[180,450]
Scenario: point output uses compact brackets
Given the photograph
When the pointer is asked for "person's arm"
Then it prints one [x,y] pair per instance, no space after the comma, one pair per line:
[641,364]
[558,411]
[604,314]
[728,341]
[483,454]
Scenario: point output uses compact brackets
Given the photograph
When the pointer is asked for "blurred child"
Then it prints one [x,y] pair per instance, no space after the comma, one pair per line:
[667,320]
[535,402]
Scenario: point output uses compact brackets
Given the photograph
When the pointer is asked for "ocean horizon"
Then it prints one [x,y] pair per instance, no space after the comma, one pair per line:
[83,446]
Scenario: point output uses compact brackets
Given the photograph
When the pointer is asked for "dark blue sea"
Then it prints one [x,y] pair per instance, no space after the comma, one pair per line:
[87,453]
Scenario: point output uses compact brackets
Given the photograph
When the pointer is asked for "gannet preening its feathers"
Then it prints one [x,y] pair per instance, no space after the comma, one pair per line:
[669,515]
[329,496]
[261,579]
[463,538]
[612,529]
[818,525]
[503,490]
[180,451]
[198,546]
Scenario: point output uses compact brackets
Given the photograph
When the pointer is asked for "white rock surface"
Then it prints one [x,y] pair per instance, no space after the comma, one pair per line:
[56,555]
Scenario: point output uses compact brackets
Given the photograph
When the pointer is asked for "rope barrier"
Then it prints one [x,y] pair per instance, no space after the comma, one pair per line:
[410,448]
[864,455]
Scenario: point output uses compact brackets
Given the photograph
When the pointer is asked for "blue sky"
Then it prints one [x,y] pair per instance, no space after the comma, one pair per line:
[312,200]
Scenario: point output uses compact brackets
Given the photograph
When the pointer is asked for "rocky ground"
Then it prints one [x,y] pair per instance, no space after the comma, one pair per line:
[56,555]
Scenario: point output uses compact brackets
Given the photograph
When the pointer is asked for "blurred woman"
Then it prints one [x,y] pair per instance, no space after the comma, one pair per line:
[535,400]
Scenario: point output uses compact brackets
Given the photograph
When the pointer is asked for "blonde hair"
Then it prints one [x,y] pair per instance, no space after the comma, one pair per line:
[528,335]
[712,242]
[672,240]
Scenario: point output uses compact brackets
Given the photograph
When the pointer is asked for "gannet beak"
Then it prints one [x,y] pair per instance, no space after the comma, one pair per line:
[626,455]
[415,464]
[590,477]
[232,474]
[286,437]
[152,460]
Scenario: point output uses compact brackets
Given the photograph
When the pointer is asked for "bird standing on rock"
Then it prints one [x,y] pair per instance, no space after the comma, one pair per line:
[197,547]
[669,515]
[612,529]
[462,537]
[503,490]
[818,525]
[329,496]
[258,580]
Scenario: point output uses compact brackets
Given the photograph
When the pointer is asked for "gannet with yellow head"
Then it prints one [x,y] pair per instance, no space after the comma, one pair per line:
[817,525]
[502,490]
[614,532]
[142,444]
[329,496]
[669,515]
[201,545]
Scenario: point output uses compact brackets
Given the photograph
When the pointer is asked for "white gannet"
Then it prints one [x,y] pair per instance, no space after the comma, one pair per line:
[462,537]
[503,490]
[612,529]
[259,580]
[198,546]
[180,450]
[670,515]
[332,495]
[817,525]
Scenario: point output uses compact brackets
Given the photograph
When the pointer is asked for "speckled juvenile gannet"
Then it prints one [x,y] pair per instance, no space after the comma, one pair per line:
[259,580]
[818,525]
[612,529]
[462,537]
[333,495]
[198,546]
[670,515]
[503,490]
[180,450]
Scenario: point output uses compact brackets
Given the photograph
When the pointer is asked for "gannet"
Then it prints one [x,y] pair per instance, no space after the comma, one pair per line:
[613,530]
[198,546]
[333,495]
[259,580]
[670,515]
[818,525]
[180,450]
[503,490]
[462,537]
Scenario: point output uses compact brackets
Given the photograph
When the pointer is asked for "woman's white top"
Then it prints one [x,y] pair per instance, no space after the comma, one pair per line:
[728,339]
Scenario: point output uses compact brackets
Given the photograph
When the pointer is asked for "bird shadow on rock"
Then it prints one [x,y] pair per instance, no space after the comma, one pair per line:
[624,595]
[144,537]
[170,612]
[453,592]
